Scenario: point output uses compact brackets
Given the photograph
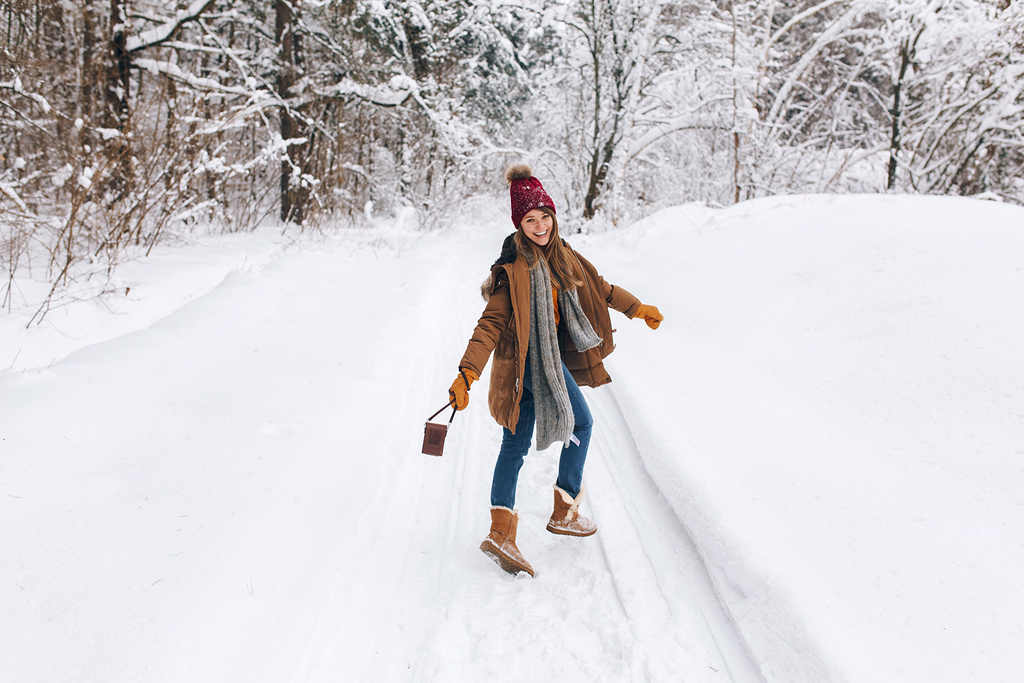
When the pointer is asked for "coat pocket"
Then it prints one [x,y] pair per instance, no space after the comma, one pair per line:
[506,347]
[502,398]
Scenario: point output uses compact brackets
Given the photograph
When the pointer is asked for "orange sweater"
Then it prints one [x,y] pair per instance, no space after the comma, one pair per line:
[554,295]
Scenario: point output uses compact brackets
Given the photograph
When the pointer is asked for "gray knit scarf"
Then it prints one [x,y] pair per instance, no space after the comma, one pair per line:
[550,395]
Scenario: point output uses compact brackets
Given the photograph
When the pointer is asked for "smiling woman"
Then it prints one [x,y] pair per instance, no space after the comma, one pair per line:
[547,323]
[537,226]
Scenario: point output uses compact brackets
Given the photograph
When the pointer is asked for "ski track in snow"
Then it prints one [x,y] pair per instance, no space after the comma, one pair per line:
[236,492]
[424,604]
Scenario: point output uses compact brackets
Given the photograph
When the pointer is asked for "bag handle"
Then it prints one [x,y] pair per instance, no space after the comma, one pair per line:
[446,405]
[451,403]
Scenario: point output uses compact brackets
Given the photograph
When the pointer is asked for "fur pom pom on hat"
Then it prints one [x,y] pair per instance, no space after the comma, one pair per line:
[525,192]
[518,172]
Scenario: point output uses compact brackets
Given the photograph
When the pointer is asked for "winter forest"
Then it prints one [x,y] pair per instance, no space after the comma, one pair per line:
[241,250]
[126,122]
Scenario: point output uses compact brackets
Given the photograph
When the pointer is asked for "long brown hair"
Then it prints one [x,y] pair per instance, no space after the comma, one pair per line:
[555,252]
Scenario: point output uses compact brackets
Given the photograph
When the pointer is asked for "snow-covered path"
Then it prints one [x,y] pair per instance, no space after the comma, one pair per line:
[422,603]
[236,493]
[810,472]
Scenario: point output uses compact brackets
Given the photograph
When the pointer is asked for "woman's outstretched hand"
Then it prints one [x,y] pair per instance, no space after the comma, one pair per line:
[459,393]
[651,315]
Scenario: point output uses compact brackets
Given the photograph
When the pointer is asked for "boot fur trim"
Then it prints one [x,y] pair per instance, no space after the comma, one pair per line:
[566,519]
[569,500]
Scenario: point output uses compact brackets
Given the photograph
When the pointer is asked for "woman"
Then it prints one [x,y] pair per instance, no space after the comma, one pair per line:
[547,323]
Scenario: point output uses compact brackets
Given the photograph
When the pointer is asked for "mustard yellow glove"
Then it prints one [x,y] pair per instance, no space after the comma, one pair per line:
[459,393]
[651,315]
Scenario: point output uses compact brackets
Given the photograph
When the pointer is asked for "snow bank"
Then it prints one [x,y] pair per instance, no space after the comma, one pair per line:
[98,308]
[835,409]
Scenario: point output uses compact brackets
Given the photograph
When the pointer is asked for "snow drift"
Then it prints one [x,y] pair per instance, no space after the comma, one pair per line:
[809,472]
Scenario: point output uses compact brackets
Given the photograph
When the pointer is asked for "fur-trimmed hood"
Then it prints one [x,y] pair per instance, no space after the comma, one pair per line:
[509,253]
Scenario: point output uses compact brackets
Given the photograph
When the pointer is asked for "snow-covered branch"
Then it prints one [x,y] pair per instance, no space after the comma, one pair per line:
[830,35]
[172,70]
[162,33]
[12,194]
[796,19]
[17,87]
[397,91]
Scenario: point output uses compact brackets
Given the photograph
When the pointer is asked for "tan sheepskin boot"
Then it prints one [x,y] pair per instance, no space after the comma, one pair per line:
[566,518]
[500,544]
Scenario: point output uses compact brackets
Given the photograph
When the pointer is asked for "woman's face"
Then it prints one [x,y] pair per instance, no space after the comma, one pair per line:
[537,225]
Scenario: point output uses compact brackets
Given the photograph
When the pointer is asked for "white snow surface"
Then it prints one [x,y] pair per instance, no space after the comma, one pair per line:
[812,471]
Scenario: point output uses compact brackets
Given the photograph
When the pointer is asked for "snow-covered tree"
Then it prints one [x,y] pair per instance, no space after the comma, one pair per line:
[125,121]
[958,103]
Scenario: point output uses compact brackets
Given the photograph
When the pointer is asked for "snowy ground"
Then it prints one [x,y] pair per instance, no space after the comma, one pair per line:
[811,472]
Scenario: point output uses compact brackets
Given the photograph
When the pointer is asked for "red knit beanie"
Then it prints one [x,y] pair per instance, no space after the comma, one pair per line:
[526,192]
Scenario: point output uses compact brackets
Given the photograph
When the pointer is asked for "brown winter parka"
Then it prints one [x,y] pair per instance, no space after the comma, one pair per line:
[504,329]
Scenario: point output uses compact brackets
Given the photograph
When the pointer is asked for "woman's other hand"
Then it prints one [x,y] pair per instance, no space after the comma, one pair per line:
[459,393]
[651,315]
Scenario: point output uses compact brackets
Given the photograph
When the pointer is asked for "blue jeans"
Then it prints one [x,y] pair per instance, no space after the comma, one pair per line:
[515,446]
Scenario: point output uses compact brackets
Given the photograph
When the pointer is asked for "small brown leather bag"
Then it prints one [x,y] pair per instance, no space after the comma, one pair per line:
[434,433]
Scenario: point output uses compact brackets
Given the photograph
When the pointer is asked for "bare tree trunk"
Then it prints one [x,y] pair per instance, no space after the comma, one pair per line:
[736,167]
[599,164]
[116,75]
[417,43]
[119,70]
[293,195]
[603,23]
[88,54]
[735,113]
[894,144]
[595,56]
